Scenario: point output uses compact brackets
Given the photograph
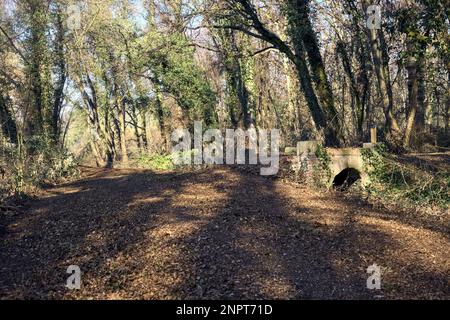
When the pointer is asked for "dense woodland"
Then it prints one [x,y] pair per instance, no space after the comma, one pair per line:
[105,82]
[92,205]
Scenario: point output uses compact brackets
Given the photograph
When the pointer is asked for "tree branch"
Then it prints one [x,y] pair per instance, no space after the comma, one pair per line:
[263,50]
[11,41]
[247,10]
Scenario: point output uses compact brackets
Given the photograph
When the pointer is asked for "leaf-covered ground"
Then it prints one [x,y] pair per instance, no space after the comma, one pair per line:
[216,233]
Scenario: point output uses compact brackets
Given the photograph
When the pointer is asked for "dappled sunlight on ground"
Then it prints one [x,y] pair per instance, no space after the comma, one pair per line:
[215,233]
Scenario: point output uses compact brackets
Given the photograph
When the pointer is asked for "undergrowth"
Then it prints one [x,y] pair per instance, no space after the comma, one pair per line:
[395,181]
[174,161]
[321,173]
[38,164]
[155,162]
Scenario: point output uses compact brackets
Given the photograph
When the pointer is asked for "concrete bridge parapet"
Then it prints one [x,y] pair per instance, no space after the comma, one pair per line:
[347,158]
[340,160]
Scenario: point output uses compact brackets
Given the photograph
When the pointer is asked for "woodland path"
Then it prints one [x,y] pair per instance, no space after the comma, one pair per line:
[216,233]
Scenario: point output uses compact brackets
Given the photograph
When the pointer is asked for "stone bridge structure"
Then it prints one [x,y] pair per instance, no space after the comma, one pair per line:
[345,165]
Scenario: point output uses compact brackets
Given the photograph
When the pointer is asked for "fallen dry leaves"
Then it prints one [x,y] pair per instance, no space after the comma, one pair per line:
[215,233]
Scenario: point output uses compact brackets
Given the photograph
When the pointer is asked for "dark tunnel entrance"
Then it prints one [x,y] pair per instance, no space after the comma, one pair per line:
[346,178]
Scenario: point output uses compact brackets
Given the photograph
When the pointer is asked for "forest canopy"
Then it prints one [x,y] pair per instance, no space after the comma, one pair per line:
[108,81]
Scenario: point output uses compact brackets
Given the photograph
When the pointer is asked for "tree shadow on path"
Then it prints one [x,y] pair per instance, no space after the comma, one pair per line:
[216,233]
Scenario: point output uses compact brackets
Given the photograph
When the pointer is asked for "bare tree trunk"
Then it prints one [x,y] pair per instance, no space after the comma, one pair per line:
[446,114]
[362,76]
[292,96]
[103,136]
[359,109]
[99,161]
[238,93]
[437,113]
[108,135]
[122,122]
[143,125]
[381,66]
[325,119]
[162,125]
[384,86]
[134,122]
[421,97]
[412,67]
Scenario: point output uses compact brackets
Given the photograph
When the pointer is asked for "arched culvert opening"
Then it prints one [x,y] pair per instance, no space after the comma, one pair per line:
[346,178]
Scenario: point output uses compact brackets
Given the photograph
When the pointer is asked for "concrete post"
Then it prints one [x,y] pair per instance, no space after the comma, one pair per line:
[373,135]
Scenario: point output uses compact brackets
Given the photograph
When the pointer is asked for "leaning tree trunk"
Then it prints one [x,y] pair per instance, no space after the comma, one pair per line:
[325,118]
[304,42]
